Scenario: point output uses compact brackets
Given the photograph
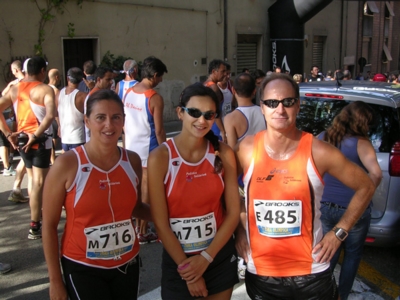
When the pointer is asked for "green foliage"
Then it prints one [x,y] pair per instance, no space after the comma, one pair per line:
[71,30]
[48,14]
[115,63]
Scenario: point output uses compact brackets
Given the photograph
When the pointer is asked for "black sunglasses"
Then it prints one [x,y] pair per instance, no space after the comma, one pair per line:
[273,103]
[196,113]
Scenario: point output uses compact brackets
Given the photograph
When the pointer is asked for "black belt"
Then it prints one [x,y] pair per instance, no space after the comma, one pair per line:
[330,204]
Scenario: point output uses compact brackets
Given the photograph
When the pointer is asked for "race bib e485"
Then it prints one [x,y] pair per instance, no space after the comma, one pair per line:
[278,218]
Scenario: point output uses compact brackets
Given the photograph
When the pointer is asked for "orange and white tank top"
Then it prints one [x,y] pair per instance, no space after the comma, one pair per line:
[283,211]
[194,201]
[99,205]
[28,114]
[25,117]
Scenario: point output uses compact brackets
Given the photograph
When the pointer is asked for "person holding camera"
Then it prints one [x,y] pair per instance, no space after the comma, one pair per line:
[34,106]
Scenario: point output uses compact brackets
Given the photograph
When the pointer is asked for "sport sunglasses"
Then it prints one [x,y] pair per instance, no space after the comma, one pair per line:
[196,113]
[273,103]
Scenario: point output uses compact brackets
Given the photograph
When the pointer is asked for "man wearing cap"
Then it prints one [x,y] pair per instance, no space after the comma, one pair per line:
[70,107]
[34,107]
[131,71]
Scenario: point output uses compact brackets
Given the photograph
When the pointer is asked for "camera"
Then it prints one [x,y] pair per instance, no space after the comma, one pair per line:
[23,139]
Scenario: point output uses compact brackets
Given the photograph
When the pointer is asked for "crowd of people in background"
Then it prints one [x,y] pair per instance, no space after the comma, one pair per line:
[210,235]
[315,74]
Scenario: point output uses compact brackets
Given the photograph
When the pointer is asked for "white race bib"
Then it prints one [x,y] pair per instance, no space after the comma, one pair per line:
[278,218]
[195,233]
[107,241]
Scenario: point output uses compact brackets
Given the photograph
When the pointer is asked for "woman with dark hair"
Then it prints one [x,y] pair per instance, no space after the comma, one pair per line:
[195,204]
[349,133]
[99,186]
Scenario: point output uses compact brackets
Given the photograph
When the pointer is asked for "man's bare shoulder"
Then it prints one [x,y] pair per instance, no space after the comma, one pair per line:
[42,94]
[156,99]
[211,84]
[233,118]
[322,150]
[43,88]
[247,142]
[81,95]
[245,146]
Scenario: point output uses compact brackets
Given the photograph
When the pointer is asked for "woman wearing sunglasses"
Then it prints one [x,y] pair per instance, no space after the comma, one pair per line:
[194,201]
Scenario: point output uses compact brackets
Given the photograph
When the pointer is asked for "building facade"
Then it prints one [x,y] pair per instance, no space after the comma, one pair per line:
[185,35]
[357,35]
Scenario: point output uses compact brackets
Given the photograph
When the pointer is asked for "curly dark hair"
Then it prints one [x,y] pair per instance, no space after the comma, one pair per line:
[353,120]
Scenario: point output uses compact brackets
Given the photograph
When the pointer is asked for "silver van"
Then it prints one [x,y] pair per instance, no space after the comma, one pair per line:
[321,101]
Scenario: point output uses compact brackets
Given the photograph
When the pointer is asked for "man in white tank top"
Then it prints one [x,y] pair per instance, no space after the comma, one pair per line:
[70,107]
[247,118]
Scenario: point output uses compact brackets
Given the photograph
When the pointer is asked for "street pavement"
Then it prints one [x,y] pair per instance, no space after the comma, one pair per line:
[29,280]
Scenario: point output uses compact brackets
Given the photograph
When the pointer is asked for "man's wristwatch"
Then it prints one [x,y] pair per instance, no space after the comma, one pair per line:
[340,233]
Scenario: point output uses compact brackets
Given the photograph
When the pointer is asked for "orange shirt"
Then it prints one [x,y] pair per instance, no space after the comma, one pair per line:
[95,89]
[25,117]
[194,194]
[99,206]
[29,114]
[283,211]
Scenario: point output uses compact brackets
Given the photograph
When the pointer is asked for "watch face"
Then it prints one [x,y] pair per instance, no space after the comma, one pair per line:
[341,234]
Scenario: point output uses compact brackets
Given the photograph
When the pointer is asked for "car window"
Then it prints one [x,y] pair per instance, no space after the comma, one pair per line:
[317,114]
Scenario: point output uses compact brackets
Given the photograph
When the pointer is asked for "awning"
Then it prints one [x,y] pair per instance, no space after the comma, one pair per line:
[390,9]
[372,7]
[387,52]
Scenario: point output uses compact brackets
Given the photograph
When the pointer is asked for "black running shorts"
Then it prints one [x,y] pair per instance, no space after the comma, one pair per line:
[39,158]
[320,286]
[220,275]
[87,283]
[3,140]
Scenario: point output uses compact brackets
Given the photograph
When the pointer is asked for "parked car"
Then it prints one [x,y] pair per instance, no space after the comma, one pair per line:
[321,101]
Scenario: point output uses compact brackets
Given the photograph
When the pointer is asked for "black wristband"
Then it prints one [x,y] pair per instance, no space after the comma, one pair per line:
[9,134]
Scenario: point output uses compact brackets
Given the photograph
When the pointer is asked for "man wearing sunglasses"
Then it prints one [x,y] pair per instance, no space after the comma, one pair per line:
[216,73]
[281,234]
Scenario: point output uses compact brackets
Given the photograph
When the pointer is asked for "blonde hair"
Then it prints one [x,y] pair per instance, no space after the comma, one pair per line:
[298,78]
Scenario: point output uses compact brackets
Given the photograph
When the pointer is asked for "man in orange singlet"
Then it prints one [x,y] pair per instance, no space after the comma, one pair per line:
[34,107]
[281,235]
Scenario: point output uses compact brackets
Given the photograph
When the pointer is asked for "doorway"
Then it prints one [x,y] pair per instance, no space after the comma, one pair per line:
[78,50]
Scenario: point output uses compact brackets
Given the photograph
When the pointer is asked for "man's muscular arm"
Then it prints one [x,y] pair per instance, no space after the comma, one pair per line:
[5,102]
[350,175]
[231,134]
[157,106]
[44,94]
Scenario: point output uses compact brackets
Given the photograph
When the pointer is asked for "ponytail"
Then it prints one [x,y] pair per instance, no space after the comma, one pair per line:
[213,139]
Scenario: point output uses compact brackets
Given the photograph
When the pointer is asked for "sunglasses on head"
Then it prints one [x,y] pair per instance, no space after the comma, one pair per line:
[196,113]
[273,103]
